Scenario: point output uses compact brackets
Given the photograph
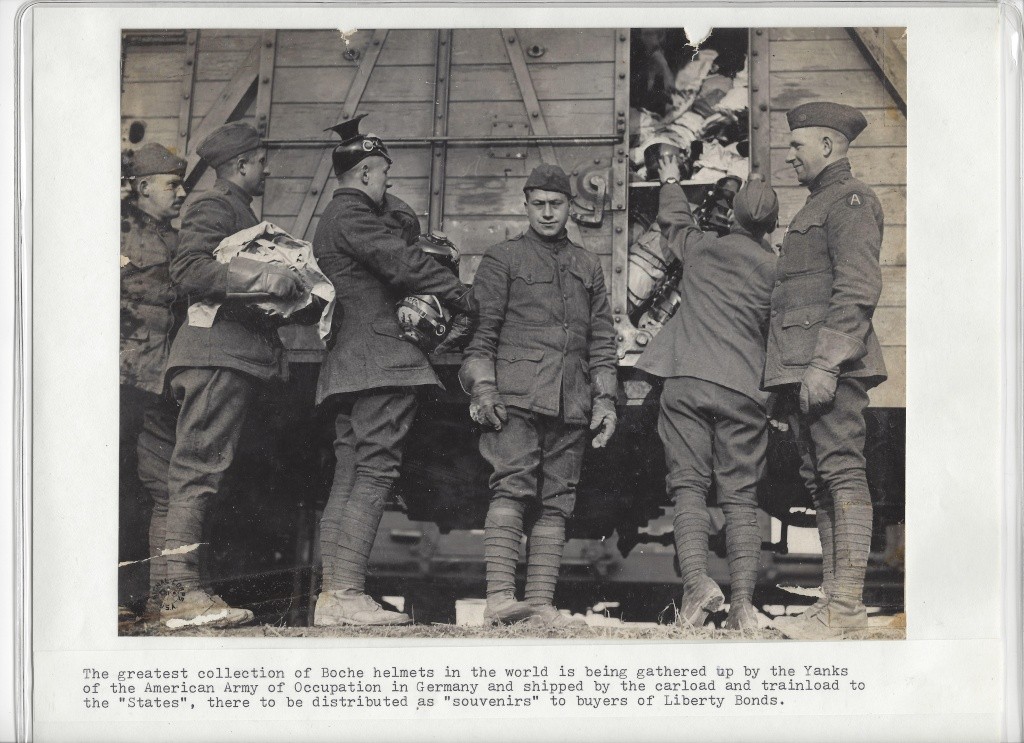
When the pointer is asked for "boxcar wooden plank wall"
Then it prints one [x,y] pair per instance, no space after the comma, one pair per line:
[151,91]
[573,75]
[314,72]
[826,64]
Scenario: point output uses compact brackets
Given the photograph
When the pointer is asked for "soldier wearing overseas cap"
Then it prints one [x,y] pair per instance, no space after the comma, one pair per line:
[823,354]
[540,368]
[712,422]
[216,373]
[365,243]
[150,313]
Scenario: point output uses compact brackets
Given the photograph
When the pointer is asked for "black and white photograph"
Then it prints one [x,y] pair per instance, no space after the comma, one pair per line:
[513,333]
[515,372]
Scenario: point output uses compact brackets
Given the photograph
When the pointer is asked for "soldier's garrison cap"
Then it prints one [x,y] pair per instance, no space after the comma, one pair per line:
[355,147]
[845,119]
[755,206]
[547,177]
[153,159]
[228,141]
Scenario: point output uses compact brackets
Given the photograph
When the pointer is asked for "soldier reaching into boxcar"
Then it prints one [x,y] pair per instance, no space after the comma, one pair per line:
[712,422]
[370,378]
[217,372]
[823,354]
[540,368]
[150,313]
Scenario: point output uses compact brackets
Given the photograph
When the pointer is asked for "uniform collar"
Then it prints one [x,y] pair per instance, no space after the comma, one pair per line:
[831,173]
[143,218]
[362,195]
[555,243]
[234,189]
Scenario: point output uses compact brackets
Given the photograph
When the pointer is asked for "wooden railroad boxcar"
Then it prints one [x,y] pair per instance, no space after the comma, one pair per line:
[468,113]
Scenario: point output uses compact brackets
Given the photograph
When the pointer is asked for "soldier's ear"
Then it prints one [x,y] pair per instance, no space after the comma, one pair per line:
[827,145]
[142,187]
[364,173]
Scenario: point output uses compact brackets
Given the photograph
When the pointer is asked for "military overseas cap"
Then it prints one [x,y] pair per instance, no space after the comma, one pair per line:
[228,141]
[546,177]
[153,159]
[355,147]
[756,207]
[844,119]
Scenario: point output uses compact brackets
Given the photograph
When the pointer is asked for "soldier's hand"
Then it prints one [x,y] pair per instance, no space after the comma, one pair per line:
[487,409]
[282,282]
[668,166]
[603,419]
[462,328]
[817,389]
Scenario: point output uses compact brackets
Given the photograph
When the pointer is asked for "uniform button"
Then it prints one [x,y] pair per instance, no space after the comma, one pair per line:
[778,283]
[565,325]
[807,322]
[561,268]
[774,313]
[565,296]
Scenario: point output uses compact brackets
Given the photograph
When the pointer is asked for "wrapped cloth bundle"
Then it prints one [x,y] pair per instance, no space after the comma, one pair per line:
[268,243]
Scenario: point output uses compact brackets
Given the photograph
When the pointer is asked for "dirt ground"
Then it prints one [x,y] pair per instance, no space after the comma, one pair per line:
[882,628]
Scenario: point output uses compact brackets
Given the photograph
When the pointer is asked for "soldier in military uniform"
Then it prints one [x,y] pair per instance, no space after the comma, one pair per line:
[712,422]
[823,354]
[215,373]
[540,368]
[370,378]
[150,313]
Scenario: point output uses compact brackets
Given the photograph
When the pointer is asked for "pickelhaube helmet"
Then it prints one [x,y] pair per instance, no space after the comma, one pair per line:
[431,322]
[355,147]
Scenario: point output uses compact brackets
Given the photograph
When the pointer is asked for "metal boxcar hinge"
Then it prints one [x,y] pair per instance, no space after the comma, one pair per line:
[591,189]
[187,89]
[439,149]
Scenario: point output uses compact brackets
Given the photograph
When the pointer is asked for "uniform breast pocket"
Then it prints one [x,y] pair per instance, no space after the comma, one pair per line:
[805,248]
[516,370]
[800,327]
[533,294]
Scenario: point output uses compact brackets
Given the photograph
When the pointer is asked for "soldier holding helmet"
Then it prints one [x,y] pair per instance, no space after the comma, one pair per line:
[370,378]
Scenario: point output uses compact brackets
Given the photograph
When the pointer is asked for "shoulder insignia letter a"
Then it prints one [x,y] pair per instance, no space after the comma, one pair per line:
[854,200]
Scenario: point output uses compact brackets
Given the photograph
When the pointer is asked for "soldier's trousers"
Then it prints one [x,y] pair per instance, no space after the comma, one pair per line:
[537,461]
[831,444]
[214,403]
[146,442]
[713,435]
[370,429]
[535,458]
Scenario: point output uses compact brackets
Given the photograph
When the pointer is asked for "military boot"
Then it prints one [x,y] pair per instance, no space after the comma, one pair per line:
[198,608]
[698,601]
[837,618]
[742,617]
[333,608]
[503,608]
[546,615]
